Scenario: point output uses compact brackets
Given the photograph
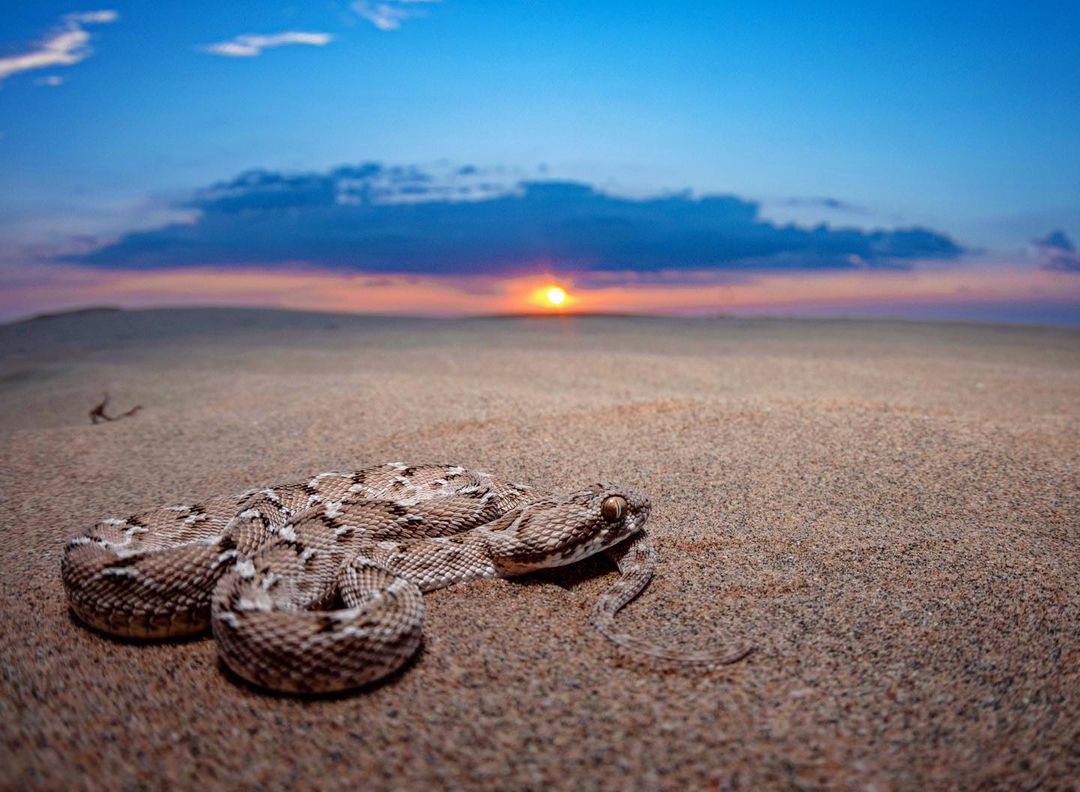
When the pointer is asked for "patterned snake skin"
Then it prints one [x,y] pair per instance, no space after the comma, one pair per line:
[316,586]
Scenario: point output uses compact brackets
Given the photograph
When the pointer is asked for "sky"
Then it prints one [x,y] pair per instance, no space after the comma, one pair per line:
[460,156]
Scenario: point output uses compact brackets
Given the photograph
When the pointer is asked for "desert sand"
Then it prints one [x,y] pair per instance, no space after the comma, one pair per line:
[887,511]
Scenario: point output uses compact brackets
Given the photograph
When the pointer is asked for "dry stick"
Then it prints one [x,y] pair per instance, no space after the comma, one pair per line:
[97,415]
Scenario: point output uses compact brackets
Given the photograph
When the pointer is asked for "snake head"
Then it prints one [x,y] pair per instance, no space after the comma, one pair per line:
[560,530]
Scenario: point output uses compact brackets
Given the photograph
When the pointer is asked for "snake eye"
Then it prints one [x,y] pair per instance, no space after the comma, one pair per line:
[613,508]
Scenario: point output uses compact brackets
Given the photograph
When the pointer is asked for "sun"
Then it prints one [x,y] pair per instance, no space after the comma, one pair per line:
[555,296]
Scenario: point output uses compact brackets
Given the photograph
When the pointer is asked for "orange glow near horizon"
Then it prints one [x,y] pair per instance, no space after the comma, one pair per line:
[530,293]
[24,291]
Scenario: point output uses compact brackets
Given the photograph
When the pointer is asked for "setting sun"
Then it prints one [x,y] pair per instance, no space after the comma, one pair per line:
[555,296]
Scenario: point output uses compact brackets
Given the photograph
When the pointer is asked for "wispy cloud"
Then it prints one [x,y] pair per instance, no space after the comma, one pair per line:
[250,45]
[390,14]
[92,17]
[68,44]
[824,202]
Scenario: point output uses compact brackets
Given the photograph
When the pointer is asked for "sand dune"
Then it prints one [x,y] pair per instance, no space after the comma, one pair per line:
[888,511]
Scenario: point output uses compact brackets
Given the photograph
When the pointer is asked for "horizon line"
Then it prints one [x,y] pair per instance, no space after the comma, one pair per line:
[66,313]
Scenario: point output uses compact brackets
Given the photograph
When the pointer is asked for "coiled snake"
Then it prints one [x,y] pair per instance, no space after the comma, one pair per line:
[316,586]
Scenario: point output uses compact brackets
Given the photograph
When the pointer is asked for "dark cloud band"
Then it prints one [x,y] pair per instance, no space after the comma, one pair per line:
[374,218]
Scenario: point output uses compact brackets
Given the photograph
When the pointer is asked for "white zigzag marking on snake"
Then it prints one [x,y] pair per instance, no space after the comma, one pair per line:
[317,586]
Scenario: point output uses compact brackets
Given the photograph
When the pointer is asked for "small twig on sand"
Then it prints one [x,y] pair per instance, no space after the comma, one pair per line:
[97,415]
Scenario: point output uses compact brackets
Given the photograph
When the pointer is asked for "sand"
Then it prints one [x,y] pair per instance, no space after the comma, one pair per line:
[888,511]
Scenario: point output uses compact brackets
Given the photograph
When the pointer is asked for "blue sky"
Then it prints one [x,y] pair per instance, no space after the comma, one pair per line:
[959,118]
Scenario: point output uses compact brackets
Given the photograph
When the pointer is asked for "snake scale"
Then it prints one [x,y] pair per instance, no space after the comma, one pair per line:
[316,586]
